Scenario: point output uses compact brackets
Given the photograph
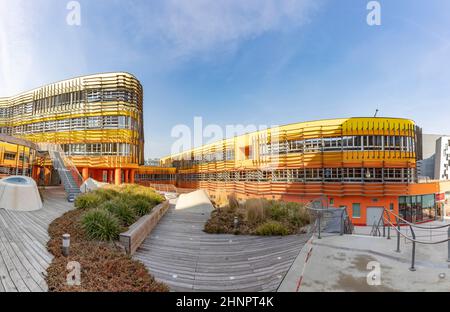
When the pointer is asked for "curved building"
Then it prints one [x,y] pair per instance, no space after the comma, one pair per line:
[363,164]
[97,120]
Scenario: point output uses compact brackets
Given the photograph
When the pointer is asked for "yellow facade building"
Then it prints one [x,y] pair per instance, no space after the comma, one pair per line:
[96,120]
[93,125]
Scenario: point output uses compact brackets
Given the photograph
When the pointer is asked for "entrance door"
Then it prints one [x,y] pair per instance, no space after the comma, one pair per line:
[373,215]
[105,176]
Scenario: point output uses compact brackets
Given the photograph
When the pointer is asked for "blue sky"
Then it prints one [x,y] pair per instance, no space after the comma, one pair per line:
[262,62]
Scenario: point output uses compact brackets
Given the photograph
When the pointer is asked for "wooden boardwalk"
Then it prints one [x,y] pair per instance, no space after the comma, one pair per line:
[181,255]
[23,237]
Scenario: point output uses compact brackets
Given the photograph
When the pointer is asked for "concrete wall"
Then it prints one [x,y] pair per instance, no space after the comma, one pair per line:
[425,167]
[442,161]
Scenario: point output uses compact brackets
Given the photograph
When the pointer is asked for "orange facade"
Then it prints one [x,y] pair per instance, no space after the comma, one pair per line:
[359,163]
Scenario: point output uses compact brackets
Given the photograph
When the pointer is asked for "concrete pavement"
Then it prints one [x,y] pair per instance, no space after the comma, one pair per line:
[340,263]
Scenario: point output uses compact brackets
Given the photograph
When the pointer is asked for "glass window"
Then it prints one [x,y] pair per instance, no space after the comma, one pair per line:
[10,156]
[356,210]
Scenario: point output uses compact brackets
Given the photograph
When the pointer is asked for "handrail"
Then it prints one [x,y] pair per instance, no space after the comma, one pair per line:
[67,162]
[386,218]
[414,240]
[416,225]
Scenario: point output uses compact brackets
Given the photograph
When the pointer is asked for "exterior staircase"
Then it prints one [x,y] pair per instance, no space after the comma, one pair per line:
[67,171]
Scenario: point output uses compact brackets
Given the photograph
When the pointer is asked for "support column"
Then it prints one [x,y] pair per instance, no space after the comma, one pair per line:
[85,173]
[47,175]
[127,172]
[118,176]
[132,173]
[111,176]
[34,173]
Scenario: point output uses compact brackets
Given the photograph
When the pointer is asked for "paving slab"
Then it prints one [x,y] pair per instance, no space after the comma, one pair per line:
[343,263]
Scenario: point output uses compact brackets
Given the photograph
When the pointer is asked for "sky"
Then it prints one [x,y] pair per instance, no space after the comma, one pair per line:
[252,62]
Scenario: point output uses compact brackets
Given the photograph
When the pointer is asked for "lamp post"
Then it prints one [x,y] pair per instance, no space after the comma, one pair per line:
[66,244]
[236,222]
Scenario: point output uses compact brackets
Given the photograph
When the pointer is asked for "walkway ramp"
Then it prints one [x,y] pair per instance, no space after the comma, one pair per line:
[195,202]
[184,257]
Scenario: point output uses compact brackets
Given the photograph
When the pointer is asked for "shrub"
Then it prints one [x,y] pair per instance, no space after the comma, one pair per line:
[100,224]
[214,228]
[298,214]
[129,191]
[107,193]
[255,210]
[277,210]
[233,203]
[121,210]
[141,206]
[271,228]
[153,198]
[88,201]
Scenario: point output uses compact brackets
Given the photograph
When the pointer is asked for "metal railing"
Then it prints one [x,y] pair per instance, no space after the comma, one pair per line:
[331,220]
[67,163]
[67,170]
[385,222]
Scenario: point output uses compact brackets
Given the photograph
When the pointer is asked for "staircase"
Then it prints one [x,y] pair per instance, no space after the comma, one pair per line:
[68,173]
[70,185]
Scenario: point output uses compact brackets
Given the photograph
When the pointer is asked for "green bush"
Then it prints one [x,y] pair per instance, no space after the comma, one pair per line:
[141,206]
[101,224]
[152,198]
[298,214]
[271,228]
[88,201]
[122,210]
[107,193]
[277,210]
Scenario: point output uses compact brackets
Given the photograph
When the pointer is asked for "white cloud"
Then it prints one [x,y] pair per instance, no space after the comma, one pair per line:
[188,28]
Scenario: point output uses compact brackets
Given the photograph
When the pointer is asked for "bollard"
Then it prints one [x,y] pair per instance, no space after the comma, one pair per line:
[66,244]
[342,223]
[389,231]
[319,227]
[413,257]
[448,245]
[398,235]
[236,222]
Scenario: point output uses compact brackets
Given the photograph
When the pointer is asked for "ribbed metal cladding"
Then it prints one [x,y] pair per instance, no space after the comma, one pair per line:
[342,157]
[109,104]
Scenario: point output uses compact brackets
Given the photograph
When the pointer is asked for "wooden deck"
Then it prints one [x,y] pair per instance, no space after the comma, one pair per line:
[23,237]
[181,255]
